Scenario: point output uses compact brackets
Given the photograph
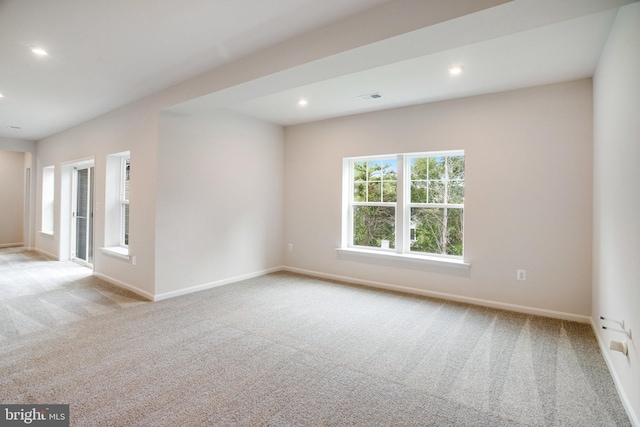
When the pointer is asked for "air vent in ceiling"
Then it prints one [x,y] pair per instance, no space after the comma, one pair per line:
[370,96]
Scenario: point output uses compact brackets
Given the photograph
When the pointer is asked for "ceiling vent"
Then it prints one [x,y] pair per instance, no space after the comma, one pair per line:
[370,96]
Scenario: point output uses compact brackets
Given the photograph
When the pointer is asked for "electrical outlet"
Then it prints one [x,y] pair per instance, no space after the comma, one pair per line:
[521,274]
[290,247]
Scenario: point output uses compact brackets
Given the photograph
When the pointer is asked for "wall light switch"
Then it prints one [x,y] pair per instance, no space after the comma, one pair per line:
[521,274]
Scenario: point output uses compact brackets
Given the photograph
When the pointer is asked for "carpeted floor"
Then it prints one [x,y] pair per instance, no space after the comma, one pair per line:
[37,293]
[289,350]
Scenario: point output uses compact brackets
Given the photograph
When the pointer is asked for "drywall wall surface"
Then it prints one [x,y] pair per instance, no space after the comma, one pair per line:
[30,169]
[132,128]
[11,144]
[220,198]
[616,228]
[12,198]
[528,193]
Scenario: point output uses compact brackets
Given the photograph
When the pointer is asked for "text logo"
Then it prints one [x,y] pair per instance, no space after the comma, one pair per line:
[34,415]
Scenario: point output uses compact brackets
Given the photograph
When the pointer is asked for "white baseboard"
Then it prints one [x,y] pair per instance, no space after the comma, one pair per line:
[451,297]
[215,284]
[47,254]
[124,285]
[11,245]
[633,417]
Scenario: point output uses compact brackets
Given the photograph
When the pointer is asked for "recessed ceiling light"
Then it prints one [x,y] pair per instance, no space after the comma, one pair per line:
[302,102]
[1,95]
[39,51]
[455,69]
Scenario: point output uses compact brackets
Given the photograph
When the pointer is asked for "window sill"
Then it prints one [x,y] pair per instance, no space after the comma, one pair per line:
[46,234]
[392,256]
[117,252]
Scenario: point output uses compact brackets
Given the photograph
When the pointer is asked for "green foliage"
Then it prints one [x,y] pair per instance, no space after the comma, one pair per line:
[373,224]
[437,230]
[375,181]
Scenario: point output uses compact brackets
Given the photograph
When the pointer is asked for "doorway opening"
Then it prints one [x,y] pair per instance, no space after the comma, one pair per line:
[82,215]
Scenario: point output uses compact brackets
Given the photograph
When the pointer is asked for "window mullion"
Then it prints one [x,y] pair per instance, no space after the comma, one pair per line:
[402,225]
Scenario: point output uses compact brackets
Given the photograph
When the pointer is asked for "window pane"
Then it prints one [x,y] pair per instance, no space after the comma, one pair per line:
[436,192]
[125,225]
[429,226]
[390,191]
[375,170]
[360,171]
[437,230]
[418,191]
[389,177]
[373,224]
[454,231]
[127,169]
[436,168]
[456,167]
[418,168]
[456,192]
[375,192]
[390,169]
[359,192]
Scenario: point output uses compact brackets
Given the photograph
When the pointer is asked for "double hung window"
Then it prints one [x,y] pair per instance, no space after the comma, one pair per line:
[124,201]
[405,203]
[116,235]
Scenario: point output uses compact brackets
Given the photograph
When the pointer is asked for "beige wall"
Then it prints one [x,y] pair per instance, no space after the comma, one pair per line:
[616,286]
[28,148]
[219,204]
[132,128]
[528,193]
[11,198]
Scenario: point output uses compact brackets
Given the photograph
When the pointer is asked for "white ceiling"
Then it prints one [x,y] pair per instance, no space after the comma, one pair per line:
[559,52]
[106,54]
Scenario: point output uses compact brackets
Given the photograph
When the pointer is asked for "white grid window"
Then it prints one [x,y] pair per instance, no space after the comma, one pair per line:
[124,201]
[405,203]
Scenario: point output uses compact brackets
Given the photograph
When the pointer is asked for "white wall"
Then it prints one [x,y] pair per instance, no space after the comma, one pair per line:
[132,128]
[616,286]
[528,193]
[220,198]
[12,189]
[29,149]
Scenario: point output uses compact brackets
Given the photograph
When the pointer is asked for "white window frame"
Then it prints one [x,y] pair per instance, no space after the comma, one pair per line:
[402,249]
[352,204]
[124,201]
[115,202]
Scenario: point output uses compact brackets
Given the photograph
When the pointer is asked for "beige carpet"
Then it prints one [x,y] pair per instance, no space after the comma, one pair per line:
[289,350]
[37,293]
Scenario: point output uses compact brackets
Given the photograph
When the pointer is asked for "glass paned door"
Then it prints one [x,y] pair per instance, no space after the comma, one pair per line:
[83,216]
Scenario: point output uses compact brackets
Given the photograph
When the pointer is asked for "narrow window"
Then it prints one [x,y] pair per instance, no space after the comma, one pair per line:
[117,202]
[124,201]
